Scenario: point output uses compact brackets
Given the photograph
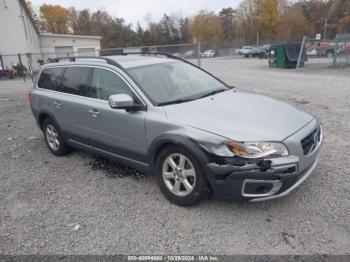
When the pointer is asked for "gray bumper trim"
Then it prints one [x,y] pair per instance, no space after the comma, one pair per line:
[298,183]
[276,185]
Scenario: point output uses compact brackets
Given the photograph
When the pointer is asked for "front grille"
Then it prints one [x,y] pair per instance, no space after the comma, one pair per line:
[310,142]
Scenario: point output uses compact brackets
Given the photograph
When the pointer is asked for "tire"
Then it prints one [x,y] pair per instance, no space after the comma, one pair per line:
[195,177]
[53,138]
[330,53]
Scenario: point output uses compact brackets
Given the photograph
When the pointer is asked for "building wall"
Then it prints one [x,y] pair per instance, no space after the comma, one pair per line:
[18,35]
[17,32]
[53,45]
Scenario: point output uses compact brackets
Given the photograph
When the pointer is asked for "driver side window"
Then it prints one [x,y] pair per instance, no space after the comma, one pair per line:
[106,83]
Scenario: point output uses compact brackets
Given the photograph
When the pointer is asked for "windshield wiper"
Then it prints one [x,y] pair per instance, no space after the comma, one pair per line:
[213,93]
[177,101]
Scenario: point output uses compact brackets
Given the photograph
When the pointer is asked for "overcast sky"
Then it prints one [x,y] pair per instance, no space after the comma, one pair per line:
[135,10]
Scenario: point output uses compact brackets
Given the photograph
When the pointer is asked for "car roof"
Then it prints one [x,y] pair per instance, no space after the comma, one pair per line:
[126,61]
[130,61]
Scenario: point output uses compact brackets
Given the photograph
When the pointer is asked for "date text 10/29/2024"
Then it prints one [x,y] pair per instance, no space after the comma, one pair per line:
[173,258]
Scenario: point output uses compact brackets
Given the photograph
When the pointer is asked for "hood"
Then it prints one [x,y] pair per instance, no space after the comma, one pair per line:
[240,116]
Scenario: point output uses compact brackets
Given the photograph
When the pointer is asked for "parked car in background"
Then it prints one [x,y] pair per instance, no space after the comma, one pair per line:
[249,51]
[245,51]
[257,52]
[322,48]
[189,54]
[264,51]
[178,122]
[237,51]
[311,52]
[347,47]
[208,53]
[177,54]
[344,48]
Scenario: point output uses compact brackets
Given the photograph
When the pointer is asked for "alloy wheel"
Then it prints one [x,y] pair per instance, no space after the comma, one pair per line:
[52,137]
[179,174]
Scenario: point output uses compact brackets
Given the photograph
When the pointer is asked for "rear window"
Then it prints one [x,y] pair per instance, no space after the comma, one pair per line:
[50,78]
[75,80]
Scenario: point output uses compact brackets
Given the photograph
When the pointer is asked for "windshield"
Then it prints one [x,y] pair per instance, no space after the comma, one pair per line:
[174,82]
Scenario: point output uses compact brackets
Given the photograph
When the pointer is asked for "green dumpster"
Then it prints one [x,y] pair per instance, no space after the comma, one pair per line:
[286,55]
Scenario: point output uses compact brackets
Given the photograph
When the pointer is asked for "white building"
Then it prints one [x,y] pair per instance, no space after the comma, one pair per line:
[69,45]
[19,36]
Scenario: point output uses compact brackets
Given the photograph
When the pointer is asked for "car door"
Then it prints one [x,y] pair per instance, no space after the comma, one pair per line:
[71,103]
[115,131]
[49,80]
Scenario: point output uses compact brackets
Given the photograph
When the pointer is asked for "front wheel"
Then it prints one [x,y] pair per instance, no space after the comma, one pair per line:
[180,176]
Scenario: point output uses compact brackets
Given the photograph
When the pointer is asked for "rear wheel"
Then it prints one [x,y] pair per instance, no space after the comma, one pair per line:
[180,177]
[330,53]
[54,139]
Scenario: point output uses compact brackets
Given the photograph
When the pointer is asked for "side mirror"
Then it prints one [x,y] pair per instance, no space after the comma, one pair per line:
[123,101]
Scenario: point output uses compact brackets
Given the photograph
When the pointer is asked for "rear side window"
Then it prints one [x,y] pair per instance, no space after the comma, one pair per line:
[75,80]
[50,78]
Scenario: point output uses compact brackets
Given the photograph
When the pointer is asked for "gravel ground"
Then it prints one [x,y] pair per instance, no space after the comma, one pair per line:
[14,86]
[80,204]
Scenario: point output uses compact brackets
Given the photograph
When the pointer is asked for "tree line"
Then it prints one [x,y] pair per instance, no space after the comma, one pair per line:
[269,21]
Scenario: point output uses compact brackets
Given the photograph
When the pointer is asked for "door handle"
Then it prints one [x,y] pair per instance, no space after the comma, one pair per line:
[57,104]
[94,113]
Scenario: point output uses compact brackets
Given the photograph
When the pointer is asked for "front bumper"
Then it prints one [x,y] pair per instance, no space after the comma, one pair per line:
[253,183]
[298,182]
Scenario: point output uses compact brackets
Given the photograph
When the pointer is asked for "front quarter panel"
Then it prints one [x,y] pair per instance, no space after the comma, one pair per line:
[160,132]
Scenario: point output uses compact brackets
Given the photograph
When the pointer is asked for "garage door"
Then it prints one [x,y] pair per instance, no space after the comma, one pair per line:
[86,52]
[64,51]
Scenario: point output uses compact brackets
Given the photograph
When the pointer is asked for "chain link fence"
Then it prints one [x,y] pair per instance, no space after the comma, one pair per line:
[320,53]
[323,54]
[16,66]
[189,52]
[26,65]
[342,57]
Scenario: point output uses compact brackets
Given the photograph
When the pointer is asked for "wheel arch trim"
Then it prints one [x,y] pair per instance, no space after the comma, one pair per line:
[50,116]
[178,140]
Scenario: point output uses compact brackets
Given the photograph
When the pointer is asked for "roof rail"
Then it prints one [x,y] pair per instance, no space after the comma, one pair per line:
[156,53]
[73,59]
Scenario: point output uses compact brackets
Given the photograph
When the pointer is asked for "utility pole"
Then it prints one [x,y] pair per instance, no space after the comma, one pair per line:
[325,29]
[257,24]
[257,31]
[257,37]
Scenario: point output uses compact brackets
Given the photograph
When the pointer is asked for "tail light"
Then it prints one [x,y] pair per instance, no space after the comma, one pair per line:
[30,98]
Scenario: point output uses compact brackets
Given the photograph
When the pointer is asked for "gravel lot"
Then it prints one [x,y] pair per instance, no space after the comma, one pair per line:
[80,204]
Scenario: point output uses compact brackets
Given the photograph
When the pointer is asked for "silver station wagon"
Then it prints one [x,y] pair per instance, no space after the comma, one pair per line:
[168,117]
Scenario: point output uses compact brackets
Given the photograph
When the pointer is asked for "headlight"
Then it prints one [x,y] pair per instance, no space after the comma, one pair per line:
[258,149]
[217,149]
